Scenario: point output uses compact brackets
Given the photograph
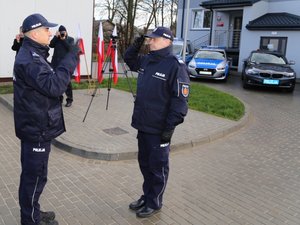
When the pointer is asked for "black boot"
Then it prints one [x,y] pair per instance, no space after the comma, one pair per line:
[51,222]
[136,205]
[47,216]
[68,104]
[146,212]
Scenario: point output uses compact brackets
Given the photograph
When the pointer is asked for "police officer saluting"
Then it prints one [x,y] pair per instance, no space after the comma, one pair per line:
[160,105]
[38,114]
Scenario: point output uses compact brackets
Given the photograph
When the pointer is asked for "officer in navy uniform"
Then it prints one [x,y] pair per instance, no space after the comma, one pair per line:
[38,114]
[160,105]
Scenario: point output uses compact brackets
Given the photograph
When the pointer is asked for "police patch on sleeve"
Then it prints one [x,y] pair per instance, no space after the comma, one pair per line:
[185,90]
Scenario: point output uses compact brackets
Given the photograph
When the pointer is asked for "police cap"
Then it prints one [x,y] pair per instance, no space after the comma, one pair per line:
[34,21]
[161,32]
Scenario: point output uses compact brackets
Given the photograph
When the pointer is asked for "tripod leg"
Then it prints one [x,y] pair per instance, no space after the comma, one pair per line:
[109,85]
[93,95]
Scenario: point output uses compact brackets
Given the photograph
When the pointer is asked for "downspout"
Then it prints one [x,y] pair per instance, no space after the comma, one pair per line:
[186,29]
[211,26]
[182,18]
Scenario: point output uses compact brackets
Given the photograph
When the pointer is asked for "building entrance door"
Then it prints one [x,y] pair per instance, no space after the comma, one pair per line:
[236,35]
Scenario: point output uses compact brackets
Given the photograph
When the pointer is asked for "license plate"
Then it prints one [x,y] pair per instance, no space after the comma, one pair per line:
[205,72]
[272,82]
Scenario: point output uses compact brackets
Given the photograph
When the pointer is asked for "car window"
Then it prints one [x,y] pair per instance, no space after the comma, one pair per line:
[266,58]
[210,55]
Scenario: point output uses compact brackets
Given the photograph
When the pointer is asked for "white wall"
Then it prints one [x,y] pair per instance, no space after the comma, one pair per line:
[193,34]
[290,6]
[70,13]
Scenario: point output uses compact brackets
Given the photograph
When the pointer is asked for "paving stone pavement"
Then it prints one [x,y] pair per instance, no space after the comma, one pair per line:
[107,134]
[249,177]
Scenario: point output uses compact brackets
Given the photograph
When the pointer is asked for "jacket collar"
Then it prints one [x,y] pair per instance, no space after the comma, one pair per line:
[162,52]
[36,47]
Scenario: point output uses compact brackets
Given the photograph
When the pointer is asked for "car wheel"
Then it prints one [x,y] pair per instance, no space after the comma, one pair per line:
[244,82]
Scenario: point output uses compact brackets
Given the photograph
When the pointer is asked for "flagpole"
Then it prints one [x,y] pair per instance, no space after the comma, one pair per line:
[93,33]
[87,69]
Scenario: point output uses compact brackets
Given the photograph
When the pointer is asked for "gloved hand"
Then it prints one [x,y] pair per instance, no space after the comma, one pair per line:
[166,136]
[138,42]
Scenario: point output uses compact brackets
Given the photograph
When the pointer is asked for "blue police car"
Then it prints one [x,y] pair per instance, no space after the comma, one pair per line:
[209,63]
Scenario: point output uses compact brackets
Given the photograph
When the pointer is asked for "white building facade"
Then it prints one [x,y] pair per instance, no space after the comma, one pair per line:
[75,15]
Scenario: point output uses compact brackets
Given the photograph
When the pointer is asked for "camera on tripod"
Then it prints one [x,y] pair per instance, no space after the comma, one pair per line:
[114,38]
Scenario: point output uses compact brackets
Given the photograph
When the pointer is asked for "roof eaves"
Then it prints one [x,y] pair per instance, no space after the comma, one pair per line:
[278,21]
[227,4]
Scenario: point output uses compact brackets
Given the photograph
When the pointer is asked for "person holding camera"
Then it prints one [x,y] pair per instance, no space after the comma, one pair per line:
[61,43]
[160,105]
[18,41]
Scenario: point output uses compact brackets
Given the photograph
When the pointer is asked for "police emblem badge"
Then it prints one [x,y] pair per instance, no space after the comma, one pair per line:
[185,90]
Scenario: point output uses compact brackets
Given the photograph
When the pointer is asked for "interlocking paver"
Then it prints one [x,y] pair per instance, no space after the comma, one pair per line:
[91,139]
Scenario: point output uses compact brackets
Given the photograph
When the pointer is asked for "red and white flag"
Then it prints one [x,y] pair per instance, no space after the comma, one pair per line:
[113,53]
[80,44]
[100,47]
[77,72]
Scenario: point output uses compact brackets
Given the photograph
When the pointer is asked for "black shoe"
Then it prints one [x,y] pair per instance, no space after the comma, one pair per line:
[47,216]
[52,222]
[68,104]
[146,212]
[137,204]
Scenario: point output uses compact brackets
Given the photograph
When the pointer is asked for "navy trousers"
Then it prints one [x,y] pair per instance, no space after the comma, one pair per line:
[34,165]
[153,158]
[69,93]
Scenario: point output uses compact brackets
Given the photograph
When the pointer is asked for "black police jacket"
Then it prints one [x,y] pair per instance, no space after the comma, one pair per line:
[162,90]
[38,113]
[61,48]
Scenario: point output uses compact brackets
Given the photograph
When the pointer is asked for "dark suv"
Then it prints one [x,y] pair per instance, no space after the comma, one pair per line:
[270,69]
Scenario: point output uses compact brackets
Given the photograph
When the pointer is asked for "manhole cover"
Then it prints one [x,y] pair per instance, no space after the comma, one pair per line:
[115,131]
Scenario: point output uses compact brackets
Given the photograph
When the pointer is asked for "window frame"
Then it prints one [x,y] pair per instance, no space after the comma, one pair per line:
[282,43]
[203,11]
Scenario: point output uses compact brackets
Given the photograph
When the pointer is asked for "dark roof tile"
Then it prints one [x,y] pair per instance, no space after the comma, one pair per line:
[278,21]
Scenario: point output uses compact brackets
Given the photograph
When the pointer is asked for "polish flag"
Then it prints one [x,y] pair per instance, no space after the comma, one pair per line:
[100,47]
[80,42]
[77,73]
[80,45]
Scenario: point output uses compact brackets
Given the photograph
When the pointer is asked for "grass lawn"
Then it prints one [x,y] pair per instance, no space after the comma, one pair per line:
[202,98]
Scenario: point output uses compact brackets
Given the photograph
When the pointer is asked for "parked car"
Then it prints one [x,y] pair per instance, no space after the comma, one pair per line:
[178,49]
[209,63]
[270,69]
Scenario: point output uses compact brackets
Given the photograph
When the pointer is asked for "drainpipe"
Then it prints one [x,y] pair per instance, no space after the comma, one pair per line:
[182,18]
[211,26]
[186,29]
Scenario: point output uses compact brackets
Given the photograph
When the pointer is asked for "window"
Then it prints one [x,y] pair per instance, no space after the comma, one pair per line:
[201,19]
[274,44]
